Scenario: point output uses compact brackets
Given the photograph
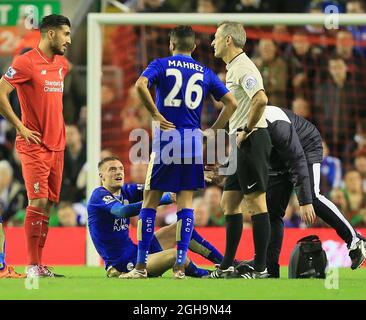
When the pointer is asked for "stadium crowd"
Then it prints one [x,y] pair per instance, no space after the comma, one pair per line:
[320,74]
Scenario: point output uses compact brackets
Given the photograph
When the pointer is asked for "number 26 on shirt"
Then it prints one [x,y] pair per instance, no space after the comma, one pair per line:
[192,87]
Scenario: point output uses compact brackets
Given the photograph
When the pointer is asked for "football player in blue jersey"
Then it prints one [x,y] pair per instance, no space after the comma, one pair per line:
[181,87]
[109,210]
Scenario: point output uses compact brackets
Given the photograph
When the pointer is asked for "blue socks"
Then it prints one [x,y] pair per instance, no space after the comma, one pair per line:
[193,271]
[204,248]
[145,233]
[2,261]
[185,225]
[2,255]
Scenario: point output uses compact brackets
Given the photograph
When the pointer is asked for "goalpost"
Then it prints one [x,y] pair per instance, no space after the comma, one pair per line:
[94,63]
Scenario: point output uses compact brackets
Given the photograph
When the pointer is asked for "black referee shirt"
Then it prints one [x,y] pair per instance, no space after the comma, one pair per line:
[296,144]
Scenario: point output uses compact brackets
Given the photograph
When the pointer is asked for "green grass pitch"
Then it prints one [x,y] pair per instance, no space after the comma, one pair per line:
[91,283]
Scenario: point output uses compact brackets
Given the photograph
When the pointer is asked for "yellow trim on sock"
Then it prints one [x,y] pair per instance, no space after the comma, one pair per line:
[139,230]
[149,171]
[179,228]
[197,247]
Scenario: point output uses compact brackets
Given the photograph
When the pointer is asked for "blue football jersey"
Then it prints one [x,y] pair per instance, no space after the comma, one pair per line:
[110,234]
[181,87]
[182,84]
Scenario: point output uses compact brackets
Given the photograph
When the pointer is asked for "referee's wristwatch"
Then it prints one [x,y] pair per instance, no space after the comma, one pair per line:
[247,130]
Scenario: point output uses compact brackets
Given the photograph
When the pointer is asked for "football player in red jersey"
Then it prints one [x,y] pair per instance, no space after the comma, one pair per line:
[38,77]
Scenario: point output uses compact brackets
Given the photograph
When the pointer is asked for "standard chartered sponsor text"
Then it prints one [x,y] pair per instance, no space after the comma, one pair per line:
[53,86]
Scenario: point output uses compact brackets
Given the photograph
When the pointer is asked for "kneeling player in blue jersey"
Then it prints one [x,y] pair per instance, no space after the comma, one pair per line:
[109,210]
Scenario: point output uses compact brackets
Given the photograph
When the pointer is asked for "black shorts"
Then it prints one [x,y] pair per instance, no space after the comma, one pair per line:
[252,164]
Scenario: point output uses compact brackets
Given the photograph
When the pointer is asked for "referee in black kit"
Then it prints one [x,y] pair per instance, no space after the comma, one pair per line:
[295,164]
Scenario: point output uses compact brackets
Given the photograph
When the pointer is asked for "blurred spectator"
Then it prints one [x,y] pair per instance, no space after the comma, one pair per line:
[212,198]
[290,6]
[321,33]
[16,165]
[330,172]
[338,103]
[301,107]
[359,140]
[246,6]
[208,6]
[202,6]
[5,145]
[358,32]
[355,199]
[138,173]
[303,60]
[67,215]
[355,6]
[108,95]
[360,166]
[130,119]
[201,214]
[280,35]
[315,7]
[74,95]
[344,49]
[154,6]
[166,215]
[274,72]
[75,158]
[266,6]
[82,121]
[134,114]
[338,197]
[12,194]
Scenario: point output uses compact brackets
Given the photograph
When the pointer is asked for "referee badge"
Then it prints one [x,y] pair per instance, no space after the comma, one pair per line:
[250,82]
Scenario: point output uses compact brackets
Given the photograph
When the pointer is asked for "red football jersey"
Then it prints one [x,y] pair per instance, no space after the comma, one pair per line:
[39,82]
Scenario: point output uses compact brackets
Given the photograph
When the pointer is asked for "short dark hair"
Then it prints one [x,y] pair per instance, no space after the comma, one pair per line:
[53,21]
[183,37]
[107,159]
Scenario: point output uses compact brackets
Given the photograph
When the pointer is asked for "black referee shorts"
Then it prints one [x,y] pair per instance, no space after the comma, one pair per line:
[252,164]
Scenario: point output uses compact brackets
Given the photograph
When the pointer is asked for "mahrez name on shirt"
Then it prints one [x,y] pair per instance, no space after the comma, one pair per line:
[185,64]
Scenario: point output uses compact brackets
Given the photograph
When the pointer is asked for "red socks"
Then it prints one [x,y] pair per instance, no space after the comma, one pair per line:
[36,229]
[43,236]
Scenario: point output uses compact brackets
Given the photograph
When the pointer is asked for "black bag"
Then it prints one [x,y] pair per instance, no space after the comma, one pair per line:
[308,259]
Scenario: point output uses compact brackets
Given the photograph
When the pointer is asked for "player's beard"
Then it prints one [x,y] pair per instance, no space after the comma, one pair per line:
[56,50]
